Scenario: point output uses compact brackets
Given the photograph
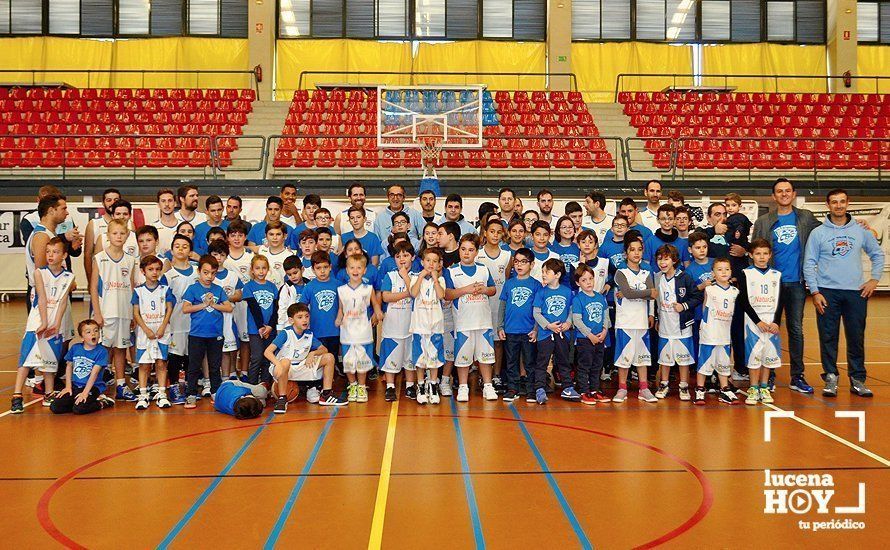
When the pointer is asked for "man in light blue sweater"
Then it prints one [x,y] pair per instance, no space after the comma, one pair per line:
[832,268]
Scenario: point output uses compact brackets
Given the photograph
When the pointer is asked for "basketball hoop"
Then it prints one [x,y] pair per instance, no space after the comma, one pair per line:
[430,150]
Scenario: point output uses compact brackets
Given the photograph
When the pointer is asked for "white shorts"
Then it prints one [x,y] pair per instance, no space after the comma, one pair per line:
[474,345]
[240,315]
[448,344]
[713,358]
[676,351]
[305,371]
[357,357]
[41,353]
[395,355]
[427,351]
[179,344]
[632,348]
[230,336]
[762,349]
[116,334]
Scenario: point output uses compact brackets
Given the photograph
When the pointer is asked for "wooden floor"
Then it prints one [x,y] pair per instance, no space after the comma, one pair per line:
[453,476]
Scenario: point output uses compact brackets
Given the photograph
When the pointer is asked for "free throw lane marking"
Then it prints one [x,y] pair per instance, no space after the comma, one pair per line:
[468,480]
[376,540]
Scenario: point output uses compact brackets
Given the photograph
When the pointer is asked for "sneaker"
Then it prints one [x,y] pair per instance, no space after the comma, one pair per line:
[434,393]
[489,393]
[205,392]
[105,401]
[766,396]
[540,396]
[280,405]
[620,396]
[352,392]
[647,396]
[49,398]
[463,393]
[312,395]
[142,403]
[727,395]
[421,394]
[191,402]
[18,405]
[663,390]
[176,396]
[588,399]
[859,388]
[799,384]
[523,385]
[601,397]
[510,396]
[499,385]
[445,387]
[39,388]
[569,393]
[328,398]
[830,389]
[233,377]
[162,402]
[684,393]
[739,377]
[753,396]
[390,394]
[605,376]
[700,393]
[530,397]
[123,393]
[373,375]
[361,394]
[411,392]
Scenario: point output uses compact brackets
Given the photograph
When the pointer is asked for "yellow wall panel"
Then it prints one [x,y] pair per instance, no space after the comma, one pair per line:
[597,66]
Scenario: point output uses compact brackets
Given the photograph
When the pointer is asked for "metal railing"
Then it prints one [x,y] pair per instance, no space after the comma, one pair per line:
[93,74]
[726,80]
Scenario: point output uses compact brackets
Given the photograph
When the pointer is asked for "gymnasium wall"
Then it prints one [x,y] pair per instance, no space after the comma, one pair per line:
[598,64]
[766,58]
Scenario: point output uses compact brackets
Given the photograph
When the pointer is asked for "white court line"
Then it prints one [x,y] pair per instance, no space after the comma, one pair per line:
[837,438]
[26,405]
[814,363]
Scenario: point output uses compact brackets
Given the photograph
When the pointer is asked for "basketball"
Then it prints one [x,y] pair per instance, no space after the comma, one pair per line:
[293,391]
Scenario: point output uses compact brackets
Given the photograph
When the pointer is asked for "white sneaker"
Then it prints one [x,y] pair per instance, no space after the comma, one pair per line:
[489,393]
[142,403]
[620,396]
[463,393]
[421,394]
[737,377]
[205,392]
[433,391]
[445,387]
[161,401]
[312,395]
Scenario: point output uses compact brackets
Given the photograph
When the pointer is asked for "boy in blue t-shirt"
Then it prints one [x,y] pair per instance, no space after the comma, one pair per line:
[516,321]
[240,399]
[589,310]
[551,310]
[261,297]
[206,302]
[701,269]
[320,294]
[84,391]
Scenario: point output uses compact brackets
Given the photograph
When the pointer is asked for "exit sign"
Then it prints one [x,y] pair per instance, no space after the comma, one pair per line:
[561,58]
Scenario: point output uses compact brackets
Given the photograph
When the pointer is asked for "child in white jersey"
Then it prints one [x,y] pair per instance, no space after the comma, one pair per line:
[121,210]
[152,308]
[714,334]
[497,260]
[760,298]
[111,290]
[356,322]
[428,322]
[395,347]
[239,262]
[469,285]
[179,276]
[43,341]
[291,291]
[231,283]
[275,251]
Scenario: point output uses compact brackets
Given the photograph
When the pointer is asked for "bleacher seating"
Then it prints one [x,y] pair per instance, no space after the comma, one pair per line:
[523,130]
[158,128]
[729,131]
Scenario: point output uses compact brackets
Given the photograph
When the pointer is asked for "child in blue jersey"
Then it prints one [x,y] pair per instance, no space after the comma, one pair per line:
[590,318]
[230,281]
[552,311]
[370,241]
[564,243]
[240,399]
[297,355]
[320,294]
[612,247]
[290,291]
[541,248]
[701,269]
[205,302]
[351,248]
[261,297]
[84,383]
[516,322]
[517,235]
[666,234]
[152,308]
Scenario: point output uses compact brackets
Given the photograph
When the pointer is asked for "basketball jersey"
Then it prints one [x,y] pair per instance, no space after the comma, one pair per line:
[55,287]
[276,264]
[199,218]
[29,255]
[427,316]
[356,325]
[100,227]
[600,228]
[633,313]
[763,293]
[241,265]
[295,347]
[165,235]
[115,285]
[668,319]
[288,295]
[471,312]
[179,281]
[538,265]
[153,308]
[131,248]
[397,322]
[601,274]
[716,321]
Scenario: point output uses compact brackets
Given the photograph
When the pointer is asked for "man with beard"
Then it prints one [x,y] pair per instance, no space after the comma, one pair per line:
[597,220]
[545,207]
[383,224]
[454,206]
[356,194]
[649,215]
[97,227]
[234,205]
[167,221]
[188,206]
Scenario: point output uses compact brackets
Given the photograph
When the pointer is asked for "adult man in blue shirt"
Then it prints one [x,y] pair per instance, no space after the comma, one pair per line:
[832,268]
[383,224]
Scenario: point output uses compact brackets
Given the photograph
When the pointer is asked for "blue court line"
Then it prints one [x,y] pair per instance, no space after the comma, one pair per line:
[180,525]
[298,486]
[566,507]
[468,480]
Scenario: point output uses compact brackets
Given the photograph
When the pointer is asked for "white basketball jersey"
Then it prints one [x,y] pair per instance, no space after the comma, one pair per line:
[471,312]
[165,236]
[716,322]
[179,281]
[600,228]
[397,322]
[601,274]
[296,347]
[354,304]
[100,227]
[240,265]
[29,256]
[538,266]
[276,264]
[199,218]
[153,308]
[427,316]
[763,292]
[55,287]
[668,318]
[131,248]
[287,296]
[115,285]
[633,313]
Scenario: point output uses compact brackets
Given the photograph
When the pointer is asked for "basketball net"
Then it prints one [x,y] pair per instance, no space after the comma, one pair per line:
[430,152]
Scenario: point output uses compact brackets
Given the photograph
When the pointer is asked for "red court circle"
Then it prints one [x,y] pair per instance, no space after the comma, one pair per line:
[707,501]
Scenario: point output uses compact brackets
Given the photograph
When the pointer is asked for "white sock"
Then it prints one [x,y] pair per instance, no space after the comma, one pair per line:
[121,382]
[409,384]
[143,391]
[388,385]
